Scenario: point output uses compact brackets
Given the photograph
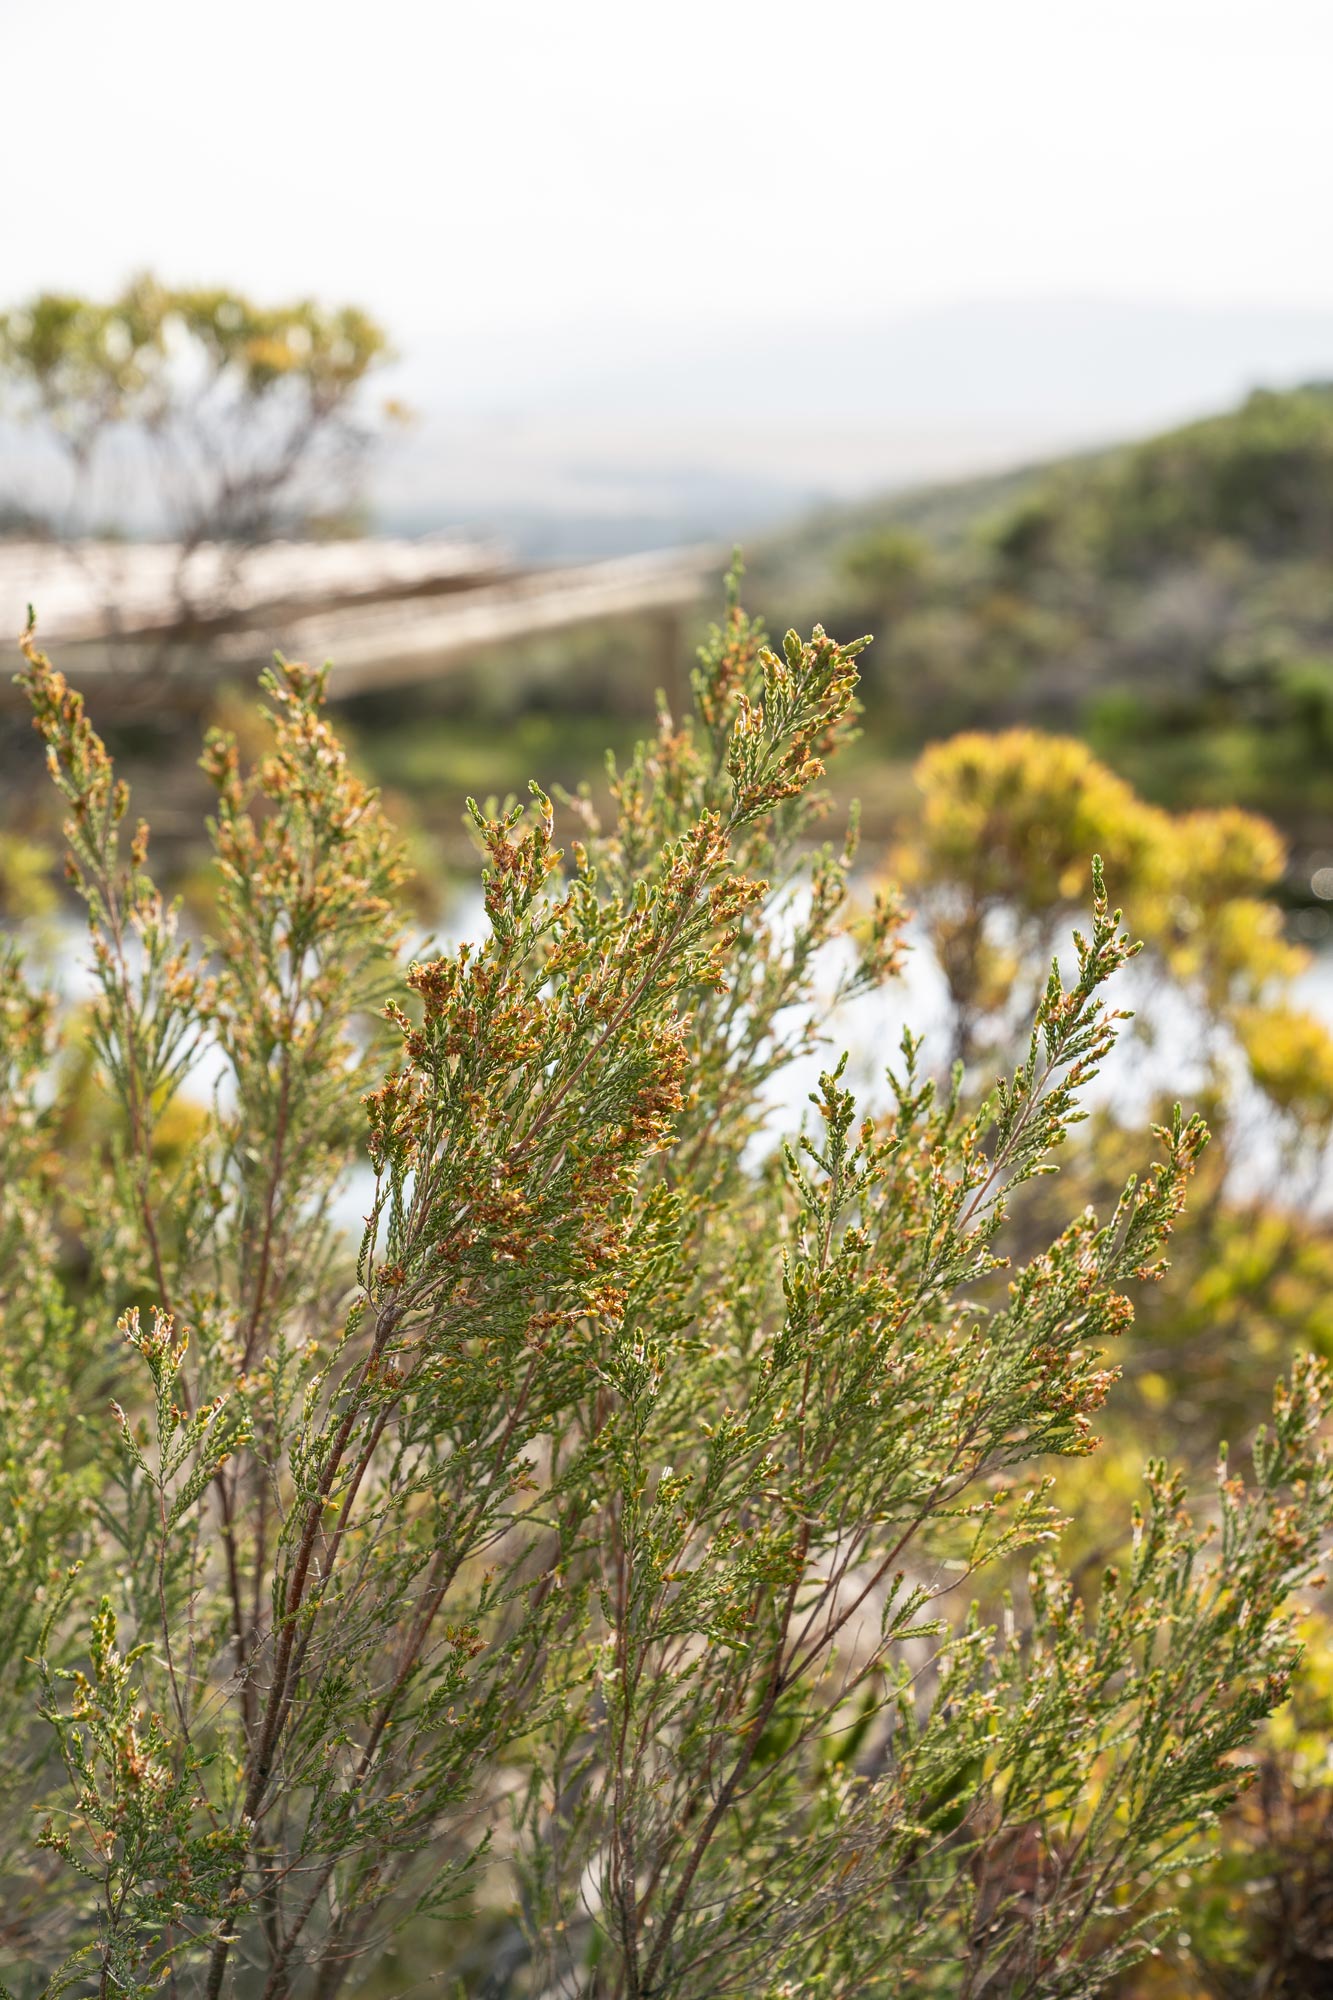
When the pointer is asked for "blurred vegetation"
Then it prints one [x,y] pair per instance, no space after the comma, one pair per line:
[1170,602]
[1129,654]
[992,858]
[242,415]
[996,854]
[1167,603]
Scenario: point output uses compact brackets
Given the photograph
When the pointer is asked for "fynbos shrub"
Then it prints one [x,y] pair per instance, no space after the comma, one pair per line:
[638,1560]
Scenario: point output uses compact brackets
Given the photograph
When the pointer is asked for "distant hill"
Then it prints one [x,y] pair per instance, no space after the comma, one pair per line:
[616,437]
[608,438]
[1170,600]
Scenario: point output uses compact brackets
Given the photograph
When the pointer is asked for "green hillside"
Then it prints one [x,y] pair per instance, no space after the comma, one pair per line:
[1171,601]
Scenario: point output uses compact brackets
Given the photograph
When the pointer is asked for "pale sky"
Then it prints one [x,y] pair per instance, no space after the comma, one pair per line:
[693,264]
[511,178]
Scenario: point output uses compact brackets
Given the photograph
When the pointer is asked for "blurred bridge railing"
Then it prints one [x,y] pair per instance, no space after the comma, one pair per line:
[149,626]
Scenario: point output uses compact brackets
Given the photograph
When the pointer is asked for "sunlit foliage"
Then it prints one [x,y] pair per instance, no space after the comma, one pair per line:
[585,1565]
[991,857]
[231,414]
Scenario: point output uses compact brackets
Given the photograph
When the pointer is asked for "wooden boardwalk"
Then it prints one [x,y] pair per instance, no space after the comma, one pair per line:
[140,626]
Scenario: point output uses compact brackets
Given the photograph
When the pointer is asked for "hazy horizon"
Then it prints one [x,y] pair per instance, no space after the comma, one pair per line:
[678,274]
[702,443]
[710,440]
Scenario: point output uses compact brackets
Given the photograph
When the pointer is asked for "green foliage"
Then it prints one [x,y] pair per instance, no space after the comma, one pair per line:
[135,1834]
[890,568]
[1257,477]
[638,1561]
[1260,477]
[992,863]
[995,859]
[25,885]
[240,410]
[1258,1914]
[1167,600]
[992,860]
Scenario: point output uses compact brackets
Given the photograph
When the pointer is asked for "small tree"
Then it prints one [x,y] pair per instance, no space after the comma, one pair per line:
[996,859]
[234,419]
[589,1569]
